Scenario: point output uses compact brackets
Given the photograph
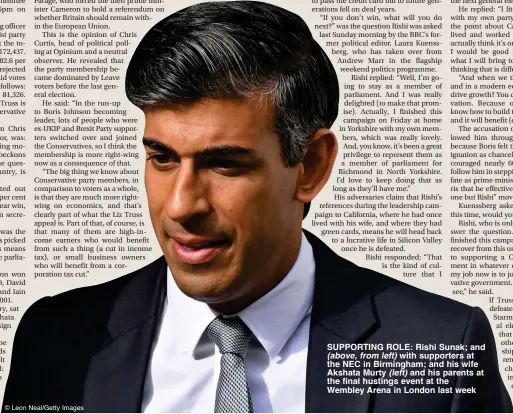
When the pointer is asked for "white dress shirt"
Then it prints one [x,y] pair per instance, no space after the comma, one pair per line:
[184,366]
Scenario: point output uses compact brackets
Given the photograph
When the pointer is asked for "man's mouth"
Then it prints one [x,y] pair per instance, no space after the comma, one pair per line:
[194,250]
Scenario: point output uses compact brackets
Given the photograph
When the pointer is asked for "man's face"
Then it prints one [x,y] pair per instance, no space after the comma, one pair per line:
[222,202]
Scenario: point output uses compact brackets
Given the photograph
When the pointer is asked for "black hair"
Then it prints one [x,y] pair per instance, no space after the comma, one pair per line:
[238,49]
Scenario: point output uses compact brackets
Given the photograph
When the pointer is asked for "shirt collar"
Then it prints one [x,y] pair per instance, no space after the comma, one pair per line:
[273,318]
[188,317]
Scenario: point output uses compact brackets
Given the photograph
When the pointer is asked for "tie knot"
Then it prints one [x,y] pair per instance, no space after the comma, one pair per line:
[231,335]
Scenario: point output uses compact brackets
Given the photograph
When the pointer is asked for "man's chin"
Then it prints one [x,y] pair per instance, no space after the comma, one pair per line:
[205,285]
[203,292]
[222,293]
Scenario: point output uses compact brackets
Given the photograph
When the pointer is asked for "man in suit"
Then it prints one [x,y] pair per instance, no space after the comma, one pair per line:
[245,312]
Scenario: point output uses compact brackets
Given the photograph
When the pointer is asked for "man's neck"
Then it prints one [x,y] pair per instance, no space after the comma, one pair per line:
[283,266]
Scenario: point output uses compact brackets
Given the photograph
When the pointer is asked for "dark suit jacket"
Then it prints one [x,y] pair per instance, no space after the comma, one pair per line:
[91,346]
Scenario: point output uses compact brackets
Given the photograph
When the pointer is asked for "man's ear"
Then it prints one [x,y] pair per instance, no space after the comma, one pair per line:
[316,164]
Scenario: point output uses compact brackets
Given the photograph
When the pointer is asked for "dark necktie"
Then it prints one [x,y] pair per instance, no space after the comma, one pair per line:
[231,337]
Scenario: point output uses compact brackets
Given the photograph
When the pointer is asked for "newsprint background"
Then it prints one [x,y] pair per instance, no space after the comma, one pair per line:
[422,189]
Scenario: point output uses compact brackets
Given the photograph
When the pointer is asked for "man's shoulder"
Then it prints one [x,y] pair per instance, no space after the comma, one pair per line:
[402,300]
[58,335]
[93,303]
[396,303]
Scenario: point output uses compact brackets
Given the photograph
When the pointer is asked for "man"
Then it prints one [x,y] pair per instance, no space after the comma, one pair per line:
[245,310]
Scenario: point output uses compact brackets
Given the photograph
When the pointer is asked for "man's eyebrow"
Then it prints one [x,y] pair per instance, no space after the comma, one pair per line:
[157,145]
[217,151]
[225,150]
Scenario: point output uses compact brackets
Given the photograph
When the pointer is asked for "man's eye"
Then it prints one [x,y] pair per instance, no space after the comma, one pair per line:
[160,160]
[229,167]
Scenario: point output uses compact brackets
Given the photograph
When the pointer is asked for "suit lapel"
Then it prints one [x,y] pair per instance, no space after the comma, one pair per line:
[342,313]
[117,371]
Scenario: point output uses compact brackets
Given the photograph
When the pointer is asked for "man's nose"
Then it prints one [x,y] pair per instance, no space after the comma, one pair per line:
[188,196]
